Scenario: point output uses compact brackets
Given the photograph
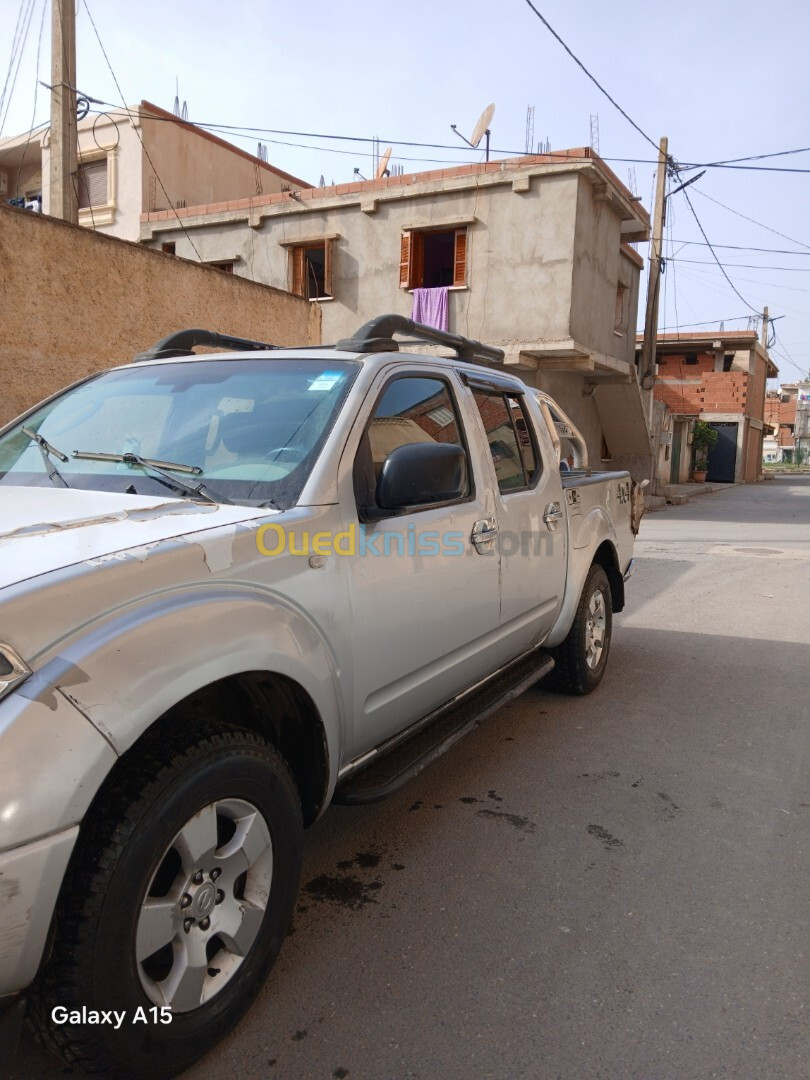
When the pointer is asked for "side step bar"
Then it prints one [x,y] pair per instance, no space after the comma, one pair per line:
[391,768]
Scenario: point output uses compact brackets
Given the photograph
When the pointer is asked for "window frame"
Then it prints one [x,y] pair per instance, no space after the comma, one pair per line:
[101,213]
[412,256]
[481,387]
[297,259]
[620,311]
[367,514]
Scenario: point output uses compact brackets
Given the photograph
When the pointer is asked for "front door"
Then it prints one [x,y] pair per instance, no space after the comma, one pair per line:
[425,597]
[723,455]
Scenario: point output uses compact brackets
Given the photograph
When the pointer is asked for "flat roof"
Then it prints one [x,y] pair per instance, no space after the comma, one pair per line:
[571,159]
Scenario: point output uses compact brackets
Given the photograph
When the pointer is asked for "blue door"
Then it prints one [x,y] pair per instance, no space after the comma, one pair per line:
[723,455]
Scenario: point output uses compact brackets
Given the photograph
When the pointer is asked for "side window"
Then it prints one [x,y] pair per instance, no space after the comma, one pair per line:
[531,457]
[432,258]
[410,409]
[509,437]
[311,270]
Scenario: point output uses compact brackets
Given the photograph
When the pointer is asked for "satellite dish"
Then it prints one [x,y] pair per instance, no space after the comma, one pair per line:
[484,120]
[381,168]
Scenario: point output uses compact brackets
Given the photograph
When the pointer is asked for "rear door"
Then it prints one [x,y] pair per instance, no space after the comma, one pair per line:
[531,522]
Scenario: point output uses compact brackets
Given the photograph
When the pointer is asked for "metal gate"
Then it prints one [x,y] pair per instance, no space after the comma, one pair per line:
[723,455]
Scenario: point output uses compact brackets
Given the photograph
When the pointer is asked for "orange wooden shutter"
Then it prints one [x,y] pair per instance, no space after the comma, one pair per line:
[405,261]
[298,271]
[417,278]
[460,258]
[327,267]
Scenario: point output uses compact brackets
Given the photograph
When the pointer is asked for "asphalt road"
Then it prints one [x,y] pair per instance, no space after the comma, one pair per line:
[607,887]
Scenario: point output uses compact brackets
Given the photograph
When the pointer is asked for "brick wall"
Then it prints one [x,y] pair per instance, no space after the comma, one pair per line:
[689,390]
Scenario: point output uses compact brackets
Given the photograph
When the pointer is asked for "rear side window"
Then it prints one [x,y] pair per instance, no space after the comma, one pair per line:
[510,439]
[411,409]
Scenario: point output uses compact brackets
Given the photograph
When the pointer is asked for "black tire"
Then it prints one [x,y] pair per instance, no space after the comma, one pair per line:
[124,850]
[576,668]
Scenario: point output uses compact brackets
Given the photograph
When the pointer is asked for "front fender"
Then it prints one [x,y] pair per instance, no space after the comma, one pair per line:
[128,669]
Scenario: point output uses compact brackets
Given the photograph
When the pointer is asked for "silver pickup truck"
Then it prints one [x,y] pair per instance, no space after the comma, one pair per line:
[236,587]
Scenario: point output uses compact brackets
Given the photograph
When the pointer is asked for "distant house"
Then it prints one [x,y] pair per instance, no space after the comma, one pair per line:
[720,378]
[134,161]
[533,254]
[780,423]
[787,423]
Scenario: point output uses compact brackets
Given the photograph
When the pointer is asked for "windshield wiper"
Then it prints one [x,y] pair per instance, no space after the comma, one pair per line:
[47,450]
[158,470]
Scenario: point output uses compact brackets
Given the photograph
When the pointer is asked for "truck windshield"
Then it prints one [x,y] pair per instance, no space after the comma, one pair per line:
[248,431]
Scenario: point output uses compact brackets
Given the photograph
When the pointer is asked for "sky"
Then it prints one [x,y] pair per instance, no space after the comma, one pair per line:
[722,79]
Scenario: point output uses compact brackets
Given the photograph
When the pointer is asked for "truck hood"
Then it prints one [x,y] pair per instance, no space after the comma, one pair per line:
[44,529]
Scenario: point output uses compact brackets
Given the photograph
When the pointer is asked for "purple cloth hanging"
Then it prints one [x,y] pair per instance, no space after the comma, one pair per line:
[430,307]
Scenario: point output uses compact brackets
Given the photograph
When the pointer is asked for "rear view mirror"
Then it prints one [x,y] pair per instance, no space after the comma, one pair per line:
[419,474]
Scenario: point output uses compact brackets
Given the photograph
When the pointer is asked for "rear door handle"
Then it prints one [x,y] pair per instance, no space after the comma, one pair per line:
[553,515]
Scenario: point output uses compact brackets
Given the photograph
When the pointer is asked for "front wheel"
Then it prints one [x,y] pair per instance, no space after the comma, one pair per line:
[175,906]
[581,659]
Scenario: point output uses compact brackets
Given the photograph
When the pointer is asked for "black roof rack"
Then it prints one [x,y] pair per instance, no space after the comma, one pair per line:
[377,335]
[182,342]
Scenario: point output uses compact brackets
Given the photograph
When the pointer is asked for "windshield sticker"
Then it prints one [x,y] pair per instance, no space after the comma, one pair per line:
[326,380]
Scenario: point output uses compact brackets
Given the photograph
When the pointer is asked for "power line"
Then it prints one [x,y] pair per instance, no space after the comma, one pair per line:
[17,51]
[137,132]
[784,353]
[34,110]
[759,157]
[247,131]
[753,220]
[593,79]
[714,253]
[13,149]
[745,247]
[745,266]
[706,322]
[12,56]
[752,281]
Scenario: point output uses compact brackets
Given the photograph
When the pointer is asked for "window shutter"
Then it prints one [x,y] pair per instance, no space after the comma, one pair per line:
[417,278]
[298,271]
[327,267]
[93,184]
[460,258]
[405,261]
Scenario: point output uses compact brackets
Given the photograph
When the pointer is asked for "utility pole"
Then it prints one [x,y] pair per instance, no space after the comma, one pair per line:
[64,177]
[765,328]
[654,282]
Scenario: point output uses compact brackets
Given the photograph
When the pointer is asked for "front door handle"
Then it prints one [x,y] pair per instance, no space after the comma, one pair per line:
[553,515]
[484,534]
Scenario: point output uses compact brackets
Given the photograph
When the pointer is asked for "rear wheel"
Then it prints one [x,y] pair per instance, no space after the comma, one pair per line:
[175,906]
[581,659]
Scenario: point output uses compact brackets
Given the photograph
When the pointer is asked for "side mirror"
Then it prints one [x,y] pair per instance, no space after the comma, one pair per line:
[419,474]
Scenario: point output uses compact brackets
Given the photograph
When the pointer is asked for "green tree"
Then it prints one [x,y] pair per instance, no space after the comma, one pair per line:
[703,439]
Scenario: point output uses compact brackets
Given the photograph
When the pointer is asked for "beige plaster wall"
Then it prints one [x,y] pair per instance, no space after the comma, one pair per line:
[25,178]
[74,301]
[112,137]
[195,168]
[519,256]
